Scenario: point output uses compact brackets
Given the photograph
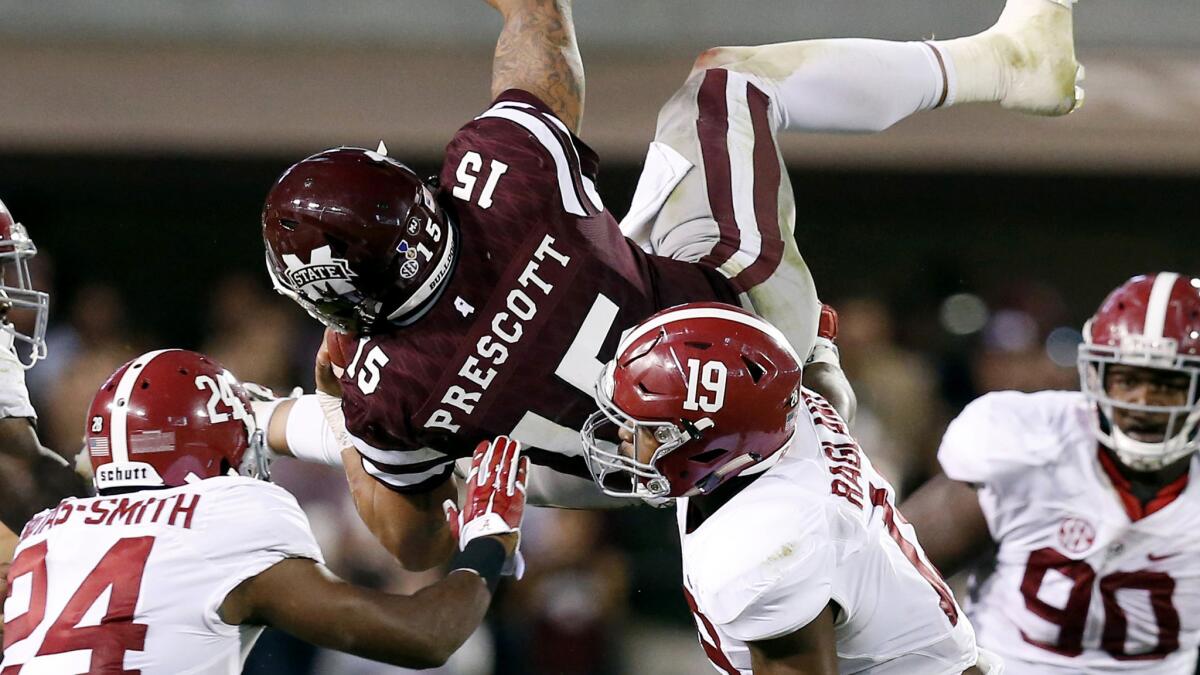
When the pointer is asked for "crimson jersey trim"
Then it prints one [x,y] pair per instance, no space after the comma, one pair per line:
[1134,507]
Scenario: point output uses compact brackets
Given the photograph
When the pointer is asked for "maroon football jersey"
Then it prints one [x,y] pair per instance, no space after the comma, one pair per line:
[543,288]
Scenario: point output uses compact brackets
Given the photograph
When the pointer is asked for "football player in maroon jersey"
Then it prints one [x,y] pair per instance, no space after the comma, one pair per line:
[484,303]
[1094,485]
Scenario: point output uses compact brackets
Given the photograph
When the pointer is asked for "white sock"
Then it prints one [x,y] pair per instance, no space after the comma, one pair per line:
[975,70]
[849,84]
[980,64]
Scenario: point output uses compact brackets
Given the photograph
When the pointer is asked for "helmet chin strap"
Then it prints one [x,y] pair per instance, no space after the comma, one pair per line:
[748,465]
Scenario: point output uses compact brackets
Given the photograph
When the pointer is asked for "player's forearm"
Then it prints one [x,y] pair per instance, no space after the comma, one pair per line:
[537,52]
[949,523]
[33,480]
[306,600]
[412,527]
[298,428]
[422,630]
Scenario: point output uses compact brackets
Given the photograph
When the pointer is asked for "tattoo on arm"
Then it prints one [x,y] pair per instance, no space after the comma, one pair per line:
[537,52]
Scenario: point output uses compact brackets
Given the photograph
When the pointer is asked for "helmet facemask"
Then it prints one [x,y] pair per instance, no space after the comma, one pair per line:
[1180,437]
[256,461]
[17,293]
[610,467]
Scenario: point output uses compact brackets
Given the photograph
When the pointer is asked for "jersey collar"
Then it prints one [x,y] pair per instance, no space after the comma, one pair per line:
[1134,507]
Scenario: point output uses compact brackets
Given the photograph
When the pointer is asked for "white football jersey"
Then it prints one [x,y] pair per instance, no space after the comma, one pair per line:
[14,396]
[820,526]
[1076,585]
[133,582]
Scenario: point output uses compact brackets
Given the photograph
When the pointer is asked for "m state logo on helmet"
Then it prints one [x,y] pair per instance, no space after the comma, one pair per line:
[170,417]
[357,239]
[716,386]
[16,288]
[1150,321]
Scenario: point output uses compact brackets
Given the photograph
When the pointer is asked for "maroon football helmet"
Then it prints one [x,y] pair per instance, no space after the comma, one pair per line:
[1150,321]
[358,240]
[170,417]
[16,287]
[717,387]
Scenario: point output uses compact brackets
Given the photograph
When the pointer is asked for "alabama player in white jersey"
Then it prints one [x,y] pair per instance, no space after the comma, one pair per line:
[186,554]
[795,559]
[1087,498]
[32,477]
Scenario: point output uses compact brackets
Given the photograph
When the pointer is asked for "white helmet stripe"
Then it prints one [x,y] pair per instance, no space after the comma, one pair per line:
[1156,308]
[708,313]
[119,412]
[439,276]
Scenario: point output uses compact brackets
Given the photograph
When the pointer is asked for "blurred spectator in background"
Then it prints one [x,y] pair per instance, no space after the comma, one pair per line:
[1025,345]
[1017,336]
[566,614]
[900,413]
[252,331]
[94,340]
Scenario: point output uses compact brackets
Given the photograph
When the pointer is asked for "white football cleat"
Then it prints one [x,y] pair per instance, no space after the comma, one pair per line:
[1035,40]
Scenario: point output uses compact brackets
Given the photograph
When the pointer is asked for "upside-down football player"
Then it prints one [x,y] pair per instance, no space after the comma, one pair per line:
[795,559]
[187,552]
[1084,504]
[485,303]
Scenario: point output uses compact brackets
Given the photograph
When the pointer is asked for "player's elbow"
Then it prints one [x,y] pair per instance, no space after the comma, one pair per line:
[436,658]
[440,654]
[418,549]
[415,560]
[432,651]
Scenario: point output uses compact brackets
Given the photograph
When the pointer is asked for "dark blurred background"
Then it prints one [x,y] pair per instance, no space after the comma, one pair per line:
[963,248]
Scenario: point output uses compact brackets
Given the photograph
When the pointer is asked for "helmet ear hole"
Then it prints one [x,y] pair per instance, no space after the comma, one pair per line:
[289,225]
[756,371]
[707,456]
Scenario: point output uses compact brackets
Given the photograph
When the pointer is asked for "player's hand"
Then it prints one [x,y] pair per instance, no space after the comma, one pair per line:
[327,381]
[495,499]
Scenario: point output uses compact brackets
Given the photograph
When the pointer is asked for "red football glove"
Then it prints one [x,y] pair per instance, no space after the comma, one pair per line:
[495,500]
[827,326]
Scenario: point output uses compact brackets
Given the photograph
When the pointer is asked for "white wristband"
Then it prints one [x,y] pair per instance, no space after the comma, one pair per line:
[824,351]
[310,436]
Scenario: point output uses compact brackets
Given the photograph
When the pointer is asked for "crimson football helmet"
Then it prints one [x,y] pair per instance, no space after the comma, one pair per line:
[171,417]
[716,387]
[1150,321]
[16,287]
[358,240]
